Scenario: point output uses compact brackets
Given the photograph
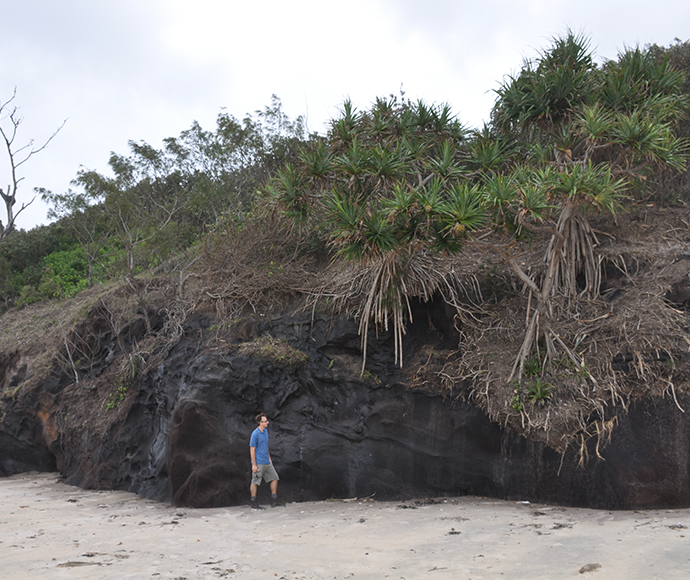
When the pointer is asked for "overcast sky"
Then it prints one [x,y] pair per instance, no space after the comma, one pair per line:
[144,70]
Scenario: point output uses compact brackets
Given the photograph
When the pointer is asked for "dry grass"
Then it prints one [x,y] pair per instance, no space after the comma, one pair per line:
[39,332]
[630,343]
[380,293]
[257,269]
[278,351]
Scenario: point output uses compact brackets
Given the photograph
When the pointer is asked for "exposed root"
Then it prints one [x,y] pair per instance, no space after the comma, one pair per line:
[597,354]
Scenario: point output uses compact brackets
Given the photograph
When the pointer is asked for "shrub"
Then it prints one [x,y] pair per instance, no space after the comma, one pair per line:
[65,274]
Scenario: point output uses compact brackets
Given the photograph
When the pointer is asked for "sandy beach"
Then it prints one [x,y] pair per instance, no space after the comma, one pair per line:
[51,530]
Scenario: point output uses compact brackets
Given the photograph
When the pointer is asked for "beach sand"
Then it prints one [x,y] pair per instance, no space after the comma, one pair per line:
[49,530]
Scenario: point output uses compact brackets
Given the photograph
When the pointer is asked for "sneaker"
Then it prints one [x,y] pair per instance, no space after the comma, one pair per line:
[255,505]
[275,502]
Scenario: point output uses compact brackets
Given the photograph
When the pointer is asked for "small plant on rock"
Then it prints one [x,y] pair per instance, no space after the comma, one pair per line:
[371,378]
[115,398]
[515,401]
[539,391]
[533,367]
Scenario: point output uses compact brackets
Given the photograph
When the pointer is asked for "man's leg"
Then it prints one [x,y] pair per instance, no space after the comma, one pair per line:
[253,489]
[274,494]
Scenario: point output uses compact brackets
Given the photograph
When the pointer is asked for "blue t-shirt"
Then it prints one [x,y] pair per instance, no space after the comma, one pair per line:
[259,440]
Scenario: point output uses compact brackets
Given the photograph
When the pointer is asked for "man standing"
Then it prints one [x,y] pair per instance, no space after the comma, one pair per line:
[262,466]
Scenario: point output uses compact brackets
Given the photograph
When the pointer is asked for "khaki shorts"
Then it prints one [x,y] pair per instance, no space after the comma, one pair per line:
[267,472]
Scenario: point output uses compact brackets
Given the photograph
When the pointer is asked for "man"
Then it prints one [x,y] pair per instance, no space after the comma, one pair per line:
[262,466]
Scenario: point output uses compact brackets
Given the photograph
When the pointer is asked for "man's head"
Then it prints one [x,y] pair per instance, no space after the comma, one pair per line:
[261,420]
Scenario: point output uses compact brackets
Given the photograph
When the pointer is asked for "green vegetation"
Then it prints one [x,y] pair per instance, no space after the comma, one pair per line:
[404,180]
[533,366]
[382,189]
[385,185]
[45,262]
[371,378]
[115,398]
[515,402]
[158,204]
[581,138]
[539,391]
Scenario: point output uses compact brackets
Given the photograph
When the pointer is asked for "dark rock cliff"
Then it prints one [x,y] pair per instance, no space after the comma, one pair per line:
[180,430]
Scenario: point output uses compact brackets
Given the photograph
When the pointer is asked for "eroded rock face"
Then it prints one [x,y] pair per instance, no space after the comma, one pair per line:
[22,447]
[203,469]
[182,434]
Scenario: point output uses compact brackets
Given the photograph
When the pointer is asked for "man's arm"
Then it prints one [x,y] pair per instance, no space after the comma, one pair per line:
[252,453]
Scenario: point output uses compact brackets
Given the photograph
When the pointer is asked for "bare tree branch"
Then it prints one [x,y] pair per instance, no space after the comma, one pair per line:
[10,120]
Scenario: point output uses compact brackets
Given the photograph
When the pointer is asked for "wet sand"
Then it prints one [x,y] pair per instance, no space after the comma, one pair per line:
[49,530]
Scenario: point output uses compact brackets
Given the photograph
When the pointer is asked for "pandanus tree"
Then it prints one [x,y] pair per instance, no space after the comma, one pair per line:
[396,187]
[585,136]
[389,189]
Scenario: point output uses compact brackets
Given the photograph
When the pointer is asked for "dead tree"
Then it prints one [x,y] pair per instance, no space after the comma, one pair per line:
[10,119]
